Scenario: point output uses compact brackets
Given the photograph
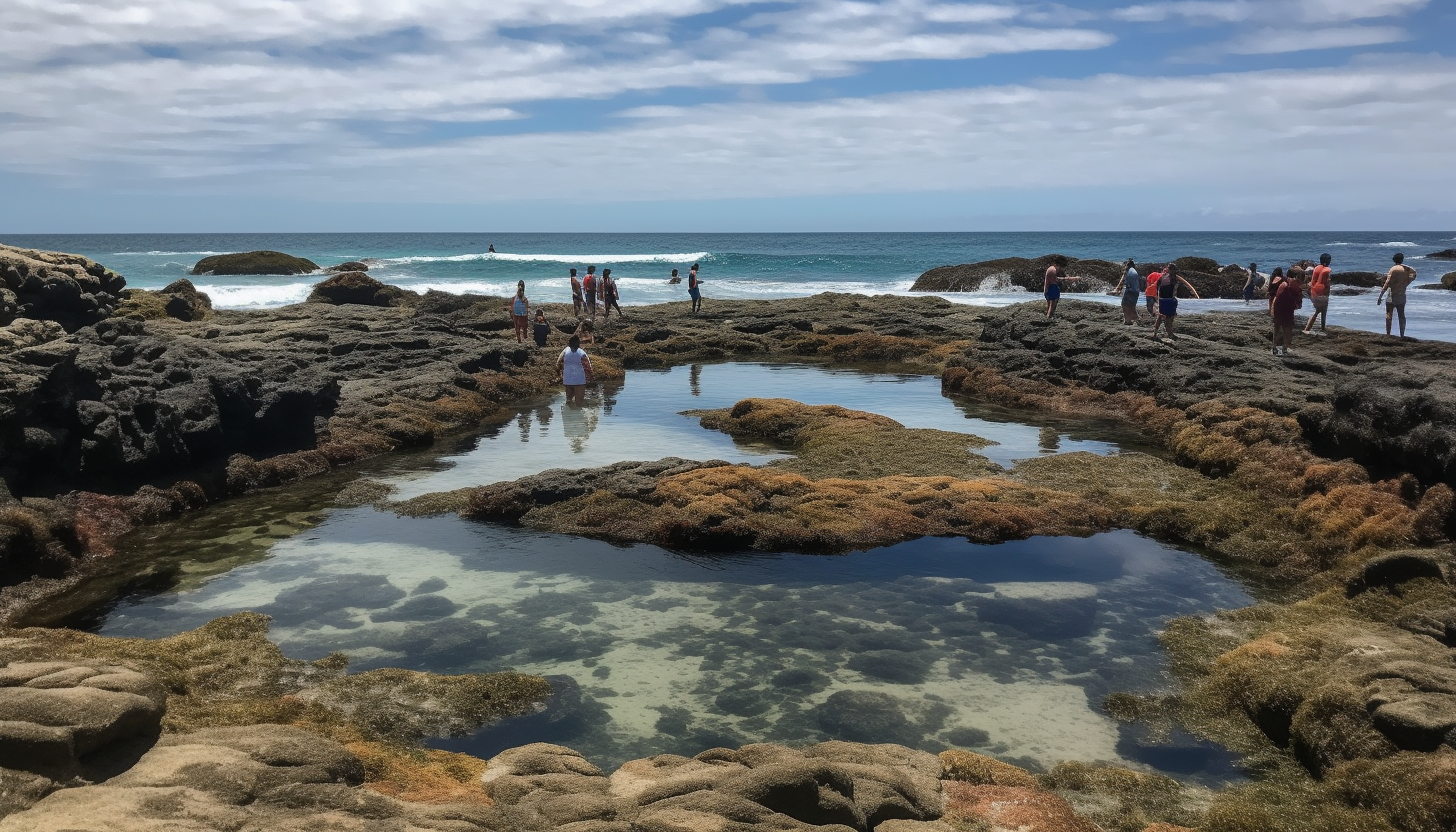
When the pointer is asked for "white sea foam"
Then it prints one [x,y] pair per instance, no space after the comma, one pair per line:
[687,257]
[1395,245]
[256,297]
[165,253]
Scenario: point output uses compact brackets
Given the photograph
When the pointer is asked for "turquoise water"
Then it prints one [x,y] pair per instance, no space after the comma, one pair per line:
[750,265]
[1009,649]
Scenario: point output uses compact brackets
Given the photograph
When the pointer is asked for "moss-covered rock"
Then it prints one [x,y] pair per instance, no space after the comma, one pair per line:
[360,288]
[254,262]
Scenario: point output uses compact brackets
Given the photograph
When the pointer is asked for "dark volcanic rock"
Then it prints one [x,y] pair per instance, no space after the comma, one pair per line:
[1019,272]
[1387,404]
[1443,254]
[184,302]
[1365,280]
[1207,276]
[360,288]
[66,288]
[1448,281]
[254,262]
[351,266]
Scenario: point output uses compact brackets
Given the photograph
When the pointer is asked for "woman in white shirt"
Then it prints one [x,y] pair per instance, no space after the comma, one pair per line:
[575,370]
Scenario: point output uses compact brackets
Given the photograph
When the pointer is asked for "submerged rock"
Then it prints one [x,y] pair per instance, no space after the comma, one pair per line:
[351,266]
[254,262]
[1049,609]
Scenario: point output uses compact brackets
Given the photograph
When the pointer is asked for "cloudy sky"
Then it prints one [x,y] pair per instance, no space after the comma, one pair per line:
[678,115]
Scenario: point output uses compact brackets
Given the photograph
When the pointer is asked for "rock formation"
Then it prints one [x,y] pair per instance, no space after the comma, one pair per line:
[358,287]
[179,299]
[254,262]
[1207,276]
[1443,254]
[351,266]
[66,288]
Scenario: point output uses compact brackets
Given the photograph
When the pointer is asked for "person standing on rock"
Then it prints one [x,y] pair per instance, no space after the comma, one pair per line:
[1150,293]
[1168,299]
[589,291]
[1319,294]
[1252,283]
[695,291]
[609,294]
[1397,279]
[1131,287]
[576,301]
[1052,284]
[1286,301]
[521,313]
[1276,279]
[574,369]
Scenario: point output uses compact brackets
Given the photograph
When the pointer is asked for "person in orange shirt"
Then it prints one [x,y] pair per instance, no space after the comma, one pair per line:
[1319,293]
[1150,295]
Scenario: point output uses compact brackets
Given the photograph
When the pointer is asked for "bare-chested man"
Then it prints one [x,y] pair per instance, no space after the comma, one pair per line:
[1396,281]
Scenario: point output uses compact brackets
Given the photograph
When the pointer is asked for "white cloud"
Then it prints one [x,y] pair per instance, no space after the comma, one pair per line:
[1219,140]
[1275,41]
[1320,12]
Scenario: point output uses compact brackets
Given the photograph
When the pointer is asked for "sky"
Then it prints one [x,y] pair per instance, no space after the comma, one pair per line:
[720,115]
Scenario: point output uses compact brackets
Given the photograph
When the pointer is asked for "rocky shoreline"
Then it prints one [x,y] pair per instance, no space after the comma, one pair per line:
[1329,472]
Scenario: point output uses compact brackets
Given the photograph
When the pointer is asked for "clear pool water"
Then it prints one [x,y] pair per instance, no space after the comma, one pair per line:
[1008,649]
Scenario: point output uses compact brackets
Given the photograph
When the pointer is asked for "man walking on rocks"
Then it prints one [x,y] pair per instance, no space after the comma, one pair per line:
[1396,281]
[1319,293]
[1131,287]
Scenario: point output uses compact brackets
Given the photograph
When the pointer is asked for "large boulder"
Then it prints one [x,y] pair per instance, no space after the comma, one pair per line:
[1448,281]
[834,786]
[58,719]
[180,299]
[360,288]
[1019,272]
[1365,280]
[248,778]
[254,262]
[69,289]
[351,266]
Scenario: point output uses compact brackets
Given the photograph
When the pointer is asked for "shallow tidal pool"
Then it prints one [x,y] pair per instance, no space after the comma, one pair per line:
[1007,649]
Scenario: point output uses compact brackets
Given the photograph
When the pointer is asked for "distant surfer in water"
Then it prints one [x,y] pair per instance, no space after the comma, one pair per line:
[674,280]
[490,249]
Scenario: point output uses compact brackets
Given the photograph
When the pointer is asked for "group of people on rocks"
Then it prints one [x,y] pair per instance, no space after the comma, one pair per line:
[588,293]
[1285,292]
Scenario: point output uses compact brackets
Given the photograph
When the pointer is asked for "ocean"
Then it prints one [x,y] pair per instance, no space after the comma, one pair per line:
[753,265]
